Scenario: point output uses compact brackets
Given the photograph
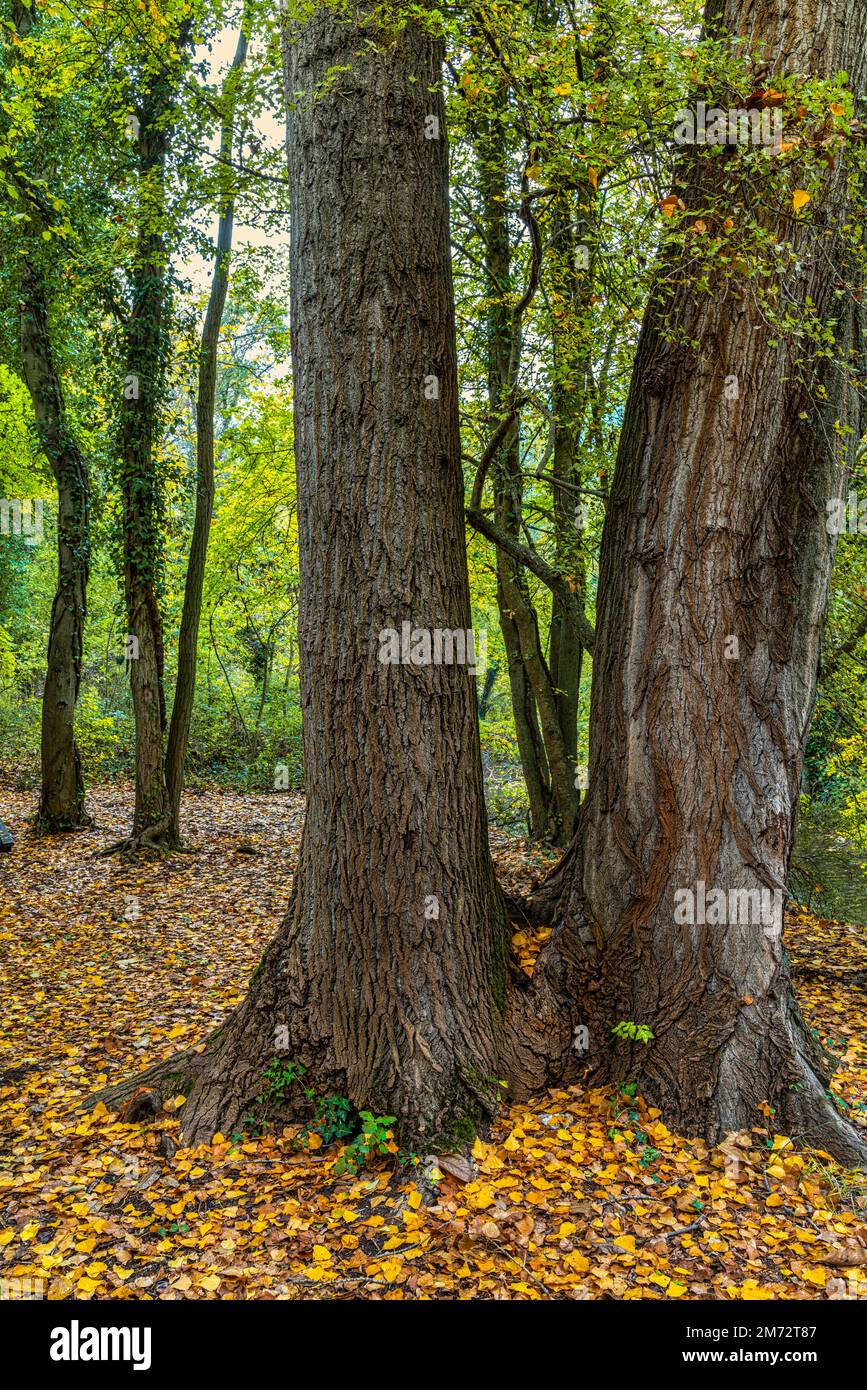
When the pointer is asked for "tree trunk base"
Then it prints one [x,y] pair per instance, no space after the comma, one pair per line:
[153,1087]
[774,1063]
[771,1070]
[161,839]
[59,823]
[227,1089]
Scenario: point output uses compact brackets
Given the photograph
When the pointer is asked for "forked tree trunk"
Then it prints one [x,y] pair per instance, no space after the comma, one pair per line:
[389,971]
[714,581]
[716,529]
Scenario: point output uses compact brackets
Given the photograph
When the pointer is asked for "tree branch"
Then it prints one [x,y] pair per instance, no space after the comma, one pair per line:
[542,570]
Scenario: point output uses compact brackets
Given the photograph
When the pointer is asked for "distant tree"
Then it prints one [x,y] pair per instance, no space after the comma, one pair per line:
[62,794]
[145,351]
[185,685]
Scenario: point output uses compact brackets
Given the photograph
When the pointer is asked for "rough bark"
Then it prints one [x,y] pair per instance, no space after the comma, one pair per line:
[715,530]
[399,1010]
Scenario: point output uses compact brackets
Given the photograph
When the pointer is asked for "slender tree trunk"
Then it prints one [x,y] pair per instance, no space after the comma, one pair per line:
[140,486]
[188,639]
[389,972]
[512,591]
[62,797]
[487,689]
[714,581]
[568,398]
[545,760]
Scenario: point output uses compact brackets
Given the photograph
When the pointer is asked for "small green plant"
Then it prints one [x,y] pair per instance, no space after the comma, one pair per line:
[334,1118]
[623,1103]
[375,1138]
[278,1080]
[633,1032]
[280,1077]
[623,1108]
[252,1129]
[838,1101]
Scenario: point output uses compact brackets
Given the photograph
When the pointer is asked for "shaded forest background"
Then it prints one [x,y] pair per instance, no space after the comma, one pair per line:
[559,189]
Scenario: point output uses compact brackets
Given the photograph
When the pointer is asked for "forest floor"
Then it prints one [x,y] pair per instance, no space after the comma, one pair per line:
[109,967]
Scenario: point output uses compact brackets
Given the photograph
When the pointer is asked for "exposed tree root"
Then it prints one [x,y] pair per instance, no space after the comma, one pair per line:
[176,1075]
[779,1064]
[543,906]
[160,839]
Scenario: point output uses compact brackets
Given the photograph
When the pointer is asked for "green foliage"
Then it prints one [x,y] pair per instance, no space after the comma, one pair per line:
[278,1081]
[584,98]
[633,1032]
[375,1138]
[334,1117]
[280,1077]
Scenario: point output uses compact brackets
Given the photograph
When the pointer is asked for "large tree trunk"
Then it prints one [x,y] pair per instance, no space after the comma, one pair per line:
[715,535]
[188,637]
[62,798]
[389,972]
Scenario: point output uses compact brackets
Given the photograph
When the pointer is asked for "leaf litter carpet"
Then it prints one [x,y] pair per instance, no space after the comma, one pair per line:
[107,967]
